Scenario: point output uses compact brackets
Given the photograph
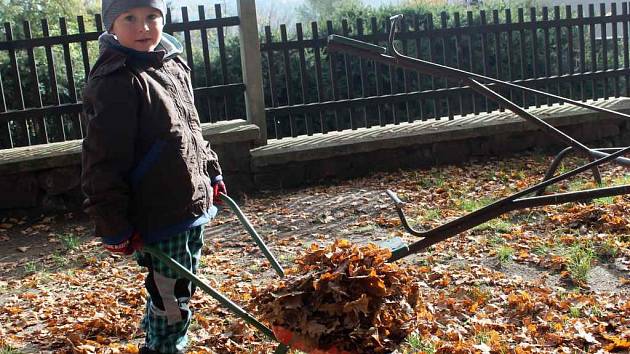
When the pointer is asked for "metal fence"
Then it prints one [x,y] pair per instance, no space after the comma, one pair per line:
[41,77]
[580,52]
[309,91]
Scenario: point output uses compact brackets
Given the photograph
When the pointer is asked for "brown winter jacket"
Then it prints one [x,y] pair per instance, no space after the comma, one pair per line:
[146,166]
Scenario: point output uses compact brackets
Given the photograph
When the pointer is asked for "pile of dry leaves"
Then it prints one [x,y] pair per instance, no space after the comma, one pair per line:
[344,296]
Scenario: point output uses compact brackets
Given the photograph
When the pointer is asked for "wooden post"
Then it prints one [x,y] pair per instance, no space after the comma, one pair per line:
[252,67]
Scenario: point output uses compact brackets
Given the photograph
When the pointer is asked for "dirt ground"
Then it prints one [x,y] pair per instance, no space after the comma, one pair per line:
[50,249]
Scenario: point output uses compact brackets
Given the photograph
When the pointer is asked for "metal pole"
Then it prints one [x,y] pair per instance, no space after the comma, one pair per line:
[250,229]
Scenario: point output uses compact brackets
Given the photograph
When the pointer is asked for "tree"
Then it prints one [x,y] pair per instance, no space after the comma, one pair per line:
[322,10]
[18,11]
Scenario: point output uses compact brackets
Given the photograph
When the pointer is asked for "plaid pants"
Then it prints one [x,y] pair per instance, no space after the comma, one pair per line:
[167,316]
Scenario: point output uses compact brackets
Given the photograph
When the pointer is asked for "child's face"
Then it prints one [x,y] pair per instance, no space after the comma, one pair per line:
[140,28]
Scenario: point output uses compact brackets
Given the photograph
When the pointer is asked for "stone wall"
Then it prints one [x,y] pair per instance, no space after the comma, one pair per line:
[595,133]
[46,185]
[36,179]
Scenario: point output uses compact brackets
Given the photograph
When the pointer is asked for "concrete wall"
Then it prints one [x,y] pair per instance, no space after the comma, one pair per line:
[326,158]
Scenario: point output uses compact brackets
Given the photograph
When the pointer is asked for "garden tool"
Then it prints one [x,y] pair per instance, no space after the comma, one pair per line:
[390,55]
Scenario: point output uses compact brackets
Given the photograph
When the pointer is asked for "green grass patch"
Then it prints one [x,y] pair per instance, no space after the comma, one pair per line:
[363,229]
[575,311]
[596,311]
[562,169]
[495,241]
[70,241]
[607,250]
[504,254]
[471,205]
[482,337]
[288,258]
[30,267]
[415,342]
[7,349]
[604,201]
[576,184]
[497,225]
[432,214]
[624,179]
[541,249]
[60,260]
[436,179]
[579,262]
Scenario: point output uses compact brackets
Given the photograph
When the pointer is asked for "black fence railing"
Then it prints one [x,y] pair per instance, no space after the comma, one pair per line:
[578,52]
[41,77]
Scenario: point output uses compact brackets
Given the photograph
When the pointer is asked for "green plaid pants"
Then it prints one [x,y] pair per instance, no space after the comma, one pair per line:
[167,316]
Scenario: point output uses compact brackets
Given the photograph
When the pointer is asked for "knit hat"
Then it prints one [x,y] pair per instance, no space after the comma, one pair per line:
[111,9]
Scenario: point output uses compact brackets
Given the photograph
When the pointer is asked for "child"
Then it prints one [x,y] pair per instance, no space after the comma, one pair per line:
[148,175]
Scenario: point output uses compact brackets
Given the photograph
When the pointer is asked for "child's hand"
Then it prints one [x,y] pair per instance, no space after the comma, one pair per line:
[218,187]
[128,246]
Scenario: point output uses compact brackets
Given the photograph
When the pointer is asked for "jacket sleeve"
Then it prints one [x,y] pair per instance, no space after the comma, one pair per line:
[110,106]
[214,168]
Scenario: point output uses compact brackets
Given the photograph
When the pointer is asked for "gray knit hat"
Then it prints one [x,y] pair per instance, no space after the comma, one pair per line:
[111,9]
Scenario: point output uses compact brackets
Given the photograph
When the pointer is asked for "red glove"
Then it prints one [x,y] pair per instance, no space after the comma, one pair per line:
[128,246]
[218,187]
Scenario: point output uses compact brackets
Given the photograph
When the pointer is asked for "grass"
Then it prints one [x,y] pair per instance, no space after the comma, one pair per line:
[541,249]
[580,262]
[625,179]
[607,250]
[576,184]
[596,311]
[604,201]
[575,312]
[435,180]
[497,225]
[369,228]
[70,241]
[504,254]
[60,260]
[482,337]
[415,342]
[432,214]
[30,267]
[471,205]
[495,241]
[287,258]
[7,349]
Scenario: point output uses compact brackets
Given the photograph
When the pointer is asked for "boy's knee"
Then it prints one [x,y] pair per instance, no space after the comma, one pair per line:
[169,297]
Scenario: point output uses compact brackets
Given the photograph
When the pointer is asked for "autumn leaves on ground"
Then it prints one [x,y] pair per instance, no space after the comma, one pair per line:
[550,279]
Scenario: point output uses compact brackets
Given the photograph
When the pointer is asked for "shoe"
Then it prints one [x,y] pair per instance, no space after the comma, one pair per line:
[147,350]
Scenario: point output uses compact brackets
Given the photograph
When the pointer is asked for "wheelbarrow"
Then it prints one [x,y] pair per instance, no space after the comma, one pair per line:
[391,56]
[516,201]
[277,333]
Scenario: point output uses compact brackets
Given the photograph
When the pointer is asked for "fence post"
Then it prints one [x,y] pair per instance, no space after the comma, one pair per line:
[252,67]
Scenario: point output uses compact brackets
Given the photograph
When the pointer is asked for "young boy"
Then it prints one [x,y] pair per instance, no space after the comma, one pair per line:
[148,175]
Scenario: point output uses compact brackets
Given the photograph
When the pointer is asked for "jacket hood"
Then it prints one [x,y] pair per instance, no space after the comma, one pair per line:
[168,47]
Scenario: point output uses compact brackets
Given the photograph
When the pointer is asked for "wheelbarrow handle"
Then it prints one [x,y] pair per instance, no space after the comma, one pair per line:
[222,299]
[250,229]
[183,272]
